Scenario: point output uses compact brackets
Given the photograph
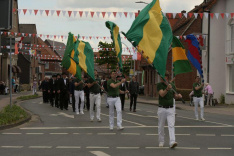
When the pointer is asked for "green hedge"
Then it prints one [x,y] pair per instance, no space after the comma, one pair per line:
[185,93]
[12,114]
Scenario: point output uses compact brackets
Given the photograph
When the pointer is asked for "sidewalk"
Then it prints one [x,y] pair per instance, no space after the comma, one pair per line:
[218,109]
[5,99]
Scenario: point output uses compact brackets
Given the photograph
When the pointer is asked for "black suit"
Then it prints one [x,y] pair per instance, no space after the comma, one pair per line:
[64,92]
[45,87]
[124,88]
[57,95]
[52,88]
[134,90]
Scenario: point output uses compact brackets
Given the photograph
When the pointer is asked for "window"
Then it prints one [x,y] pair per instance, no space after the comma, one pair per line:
[231,78]
[232,36]
[47,65]
[146,77]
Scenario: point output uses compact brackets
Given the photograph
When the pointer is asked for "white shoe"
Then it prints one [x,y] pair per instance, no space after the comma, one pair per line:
[81,112]
[77,113]
[202,119]
[196,119]
[173,145]
[91,120]
[161,144]
[99,120]
[120,128]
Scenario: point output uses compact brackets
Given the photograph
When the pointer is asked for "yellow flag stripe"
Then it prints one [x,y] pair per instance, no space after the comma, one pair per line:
[116,33]
[178,53]
[152,28]
[82,57]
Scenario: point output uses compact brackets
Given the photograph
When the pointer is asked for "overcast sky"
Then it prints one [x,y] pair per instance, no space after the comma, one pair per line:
[87,26]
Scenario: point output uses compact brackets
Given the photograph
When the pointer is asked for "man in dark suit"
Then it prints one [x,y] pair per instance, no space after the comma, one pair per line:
[63,90]
[134,90]
[45,87]
[72,89]
[123,89]
[57,98]
[51,90]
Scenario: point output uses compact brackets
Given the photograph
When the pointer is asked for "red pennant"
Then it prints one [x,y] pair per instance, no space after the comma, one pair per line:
[232,15]
[58,12]
[181,37]
[97,37]
[92,13]
[180,15]
[47,12]
[126,14]
[33,35]
[69,13]
[35,12]
[222,14]
[114,13]
[12,33]
[201,15]
[40,35]
[81,13]
[14,10]
[104,38]
[83,37]
[212,15]
[48,36]
[62,36]
[190,14]
[26,34]
[24,10]
[90,37]
[104,49]
[136,14]
[54,36]
[103,14]
[169,15]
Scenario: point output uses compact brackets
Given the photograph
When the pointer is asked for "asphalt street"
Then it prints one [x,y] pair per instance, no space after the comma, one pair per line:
[55,132]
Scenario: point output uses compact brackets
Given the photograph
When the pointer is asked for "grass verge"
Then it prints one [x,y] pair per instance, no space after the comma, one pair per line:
[27,97]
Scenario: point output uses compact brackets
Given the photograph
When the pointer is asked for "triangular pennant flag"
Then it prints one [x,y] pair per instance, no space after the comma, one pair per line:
[58,12]
[58,36]
[126,14]
[29,35]
[212,15]
[174,15]
[184,37]
[130,14]
[64,13]
[62,37]
[35,12]
[196,14]
[15,34]
[19,11]
[190,15]
[217,15]
[97,37]
[86,37]
[178,37]
[30,11]
[180,15]
[47,12]
[54,36]
[52,12]
[83,37]
[201,15]
[69,13]
[90,37]
[41,12]
[185,15]
[48,36]
[222,15]
[92,13]
[232,15]
[98,13]
[120,14]
[114,13]
[227,15]
[103,14]
[81,13]
[108,13]
[206,14]
[24,10]
[86,13]
[74,12]
[169,15]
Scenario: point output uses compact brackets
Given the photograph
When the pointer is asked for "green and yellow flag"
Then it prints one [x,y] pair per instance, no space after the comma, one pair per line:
[180,61]
[151,34]
[114,30]
[84,57]
[68,63]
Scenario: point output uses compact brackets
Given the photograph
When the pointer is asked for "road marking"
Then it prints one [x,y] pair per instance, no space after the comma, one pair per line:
[89,133]
[217,148]
[205,134]
[12,146]
[76,133]
[40,147]
[97,147]
[63,147]
[34,133]
[11,133]
[63,114]
[40,103]
[142,115]
[151,134]
[130,133]
[189,148]
[127,147]
[106,133]
[99,153]
[228,135]
[183,134]
[156,147]
[58,133]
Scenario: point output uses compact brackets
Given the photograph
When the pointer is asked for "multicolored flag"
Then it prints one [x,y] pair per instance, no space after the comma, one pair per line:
[68,62]
[151,34]
[84,57]
[114,30]
[194,53]
[180,61]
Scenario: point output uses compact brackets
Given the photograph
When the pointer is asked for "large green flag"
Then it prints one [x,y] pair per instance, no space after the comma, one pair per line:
[151,34]
[68,63]
[84,57]
[114,30]
[180,61]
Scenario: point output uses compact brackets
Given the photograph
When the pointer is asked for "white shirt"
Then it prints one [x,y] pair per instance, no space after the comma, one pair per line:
[65,81]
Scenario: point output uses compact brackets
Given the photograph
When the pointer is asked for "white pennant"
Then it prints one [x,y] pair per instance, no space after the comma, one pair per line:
[41,12]
[120,14]
[130,14]
[206,14]
[64,13]
[184,37]
[74,12]
[65,37]
[86,37]
[30,11]
[185,15]
[29,35]
[22,34]
[174,15]
[51,36]
[15,34]
[217,15]
[227,15]
[196,14]
[197,36]
[19,11]
[9,33]
[86,13]
[1,32]
[58,36]
[98,13]
[108,38]
[52,12]
[108,13]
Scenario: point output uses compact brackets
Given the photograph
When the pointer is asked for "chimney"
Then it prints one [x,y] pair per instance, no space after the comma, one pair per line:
[183,11]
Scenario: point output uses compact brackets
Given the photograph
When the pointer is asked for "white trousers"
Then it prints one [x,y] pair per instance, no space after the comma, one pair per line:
[105,98]
[117,103]
[174,105]
[95,99]
[199,101]
[163,115]
[34,90]
[79,94]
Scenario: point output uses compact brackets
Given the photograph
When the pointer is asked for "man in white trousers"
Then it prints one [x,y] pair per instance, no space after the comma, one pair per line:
[166,111]
[95,96]
[79,94]
[113,100]
[197,98]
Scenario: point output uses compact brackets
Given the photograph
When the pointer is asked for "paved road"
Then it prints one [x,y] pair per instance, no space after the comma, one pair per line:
[56,132]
